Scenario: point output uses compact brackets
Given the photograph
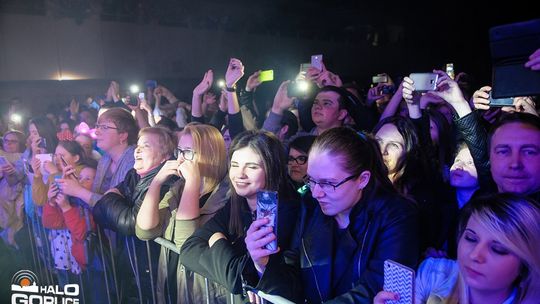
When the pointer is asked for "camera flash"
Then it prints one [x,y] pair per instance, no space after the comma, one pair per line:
[303,86]
[134,89]
[221,83]
[16,118]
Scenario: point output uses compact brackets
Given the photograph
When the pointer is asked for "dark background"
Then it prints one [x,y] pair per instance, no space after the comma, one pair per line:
[87,43]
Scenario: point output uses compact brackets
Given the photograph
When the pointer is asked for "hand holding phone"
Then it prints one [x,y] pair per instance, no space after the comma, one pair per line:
[267,207]
[424,82]
[3,161]
[399,279]
[379,78]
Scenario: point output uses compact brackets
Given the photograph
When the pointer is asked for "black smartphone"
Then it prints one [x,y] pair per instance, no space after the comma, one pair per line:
[297,88]
[65,164]
[501,102]
[42,143]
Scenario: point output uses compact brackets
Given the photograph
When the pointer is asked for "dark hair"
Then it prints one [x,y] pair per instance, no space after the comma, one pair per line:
[74,148]
[356,108]
[515,117]
[272,154]
[290,120]
[445,148]
[356,152]
[47,130]
[302,143]
[404,178]
[168,123]
[124,122]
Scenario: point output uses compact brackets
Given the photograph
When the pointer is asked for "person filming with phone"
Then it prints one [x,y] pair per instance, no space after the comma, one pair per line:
[351,221]
[497,258]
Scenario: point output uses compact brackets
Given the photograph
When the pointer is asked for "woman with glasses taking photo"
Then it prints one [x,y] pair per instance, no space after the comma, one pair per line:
[340,244]
[201,165]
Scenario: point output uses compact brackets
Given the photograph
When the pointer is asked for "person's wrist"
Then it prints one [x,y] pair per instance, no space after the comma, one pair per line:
[230,88]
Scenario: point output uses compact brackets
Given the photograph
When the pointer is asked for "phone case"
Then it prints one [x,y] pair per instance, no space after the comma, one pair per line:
[316,62]
[267,206]
[424,82]
[400,279]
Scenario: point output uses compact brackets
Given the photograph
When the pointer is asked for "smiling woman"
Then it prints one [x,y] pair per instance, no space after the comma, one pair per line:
[218,250]
[350,224]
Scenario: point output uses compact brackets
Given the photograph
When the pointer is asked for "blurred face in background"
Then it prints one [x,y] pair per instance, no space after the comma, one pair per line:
[297,165]
[86,177]
[392,146]
[11,143]
[463,172]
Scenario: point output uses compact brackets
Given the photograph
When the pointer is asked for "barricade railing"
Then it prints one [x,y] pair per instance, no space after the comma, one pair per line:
[103,266]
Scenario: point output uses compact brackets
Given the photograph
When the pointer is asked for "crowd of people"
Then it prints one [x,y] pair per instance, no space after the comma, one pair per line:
[438,181]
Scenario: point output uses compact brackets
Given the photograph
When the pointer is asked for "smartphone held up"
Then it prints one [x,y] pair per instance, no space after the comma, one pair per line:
[267,207]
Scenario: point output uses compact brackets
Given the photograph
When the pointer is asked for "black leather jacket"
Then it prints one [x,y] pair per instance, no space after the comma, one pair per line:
[118,212]
[381,228]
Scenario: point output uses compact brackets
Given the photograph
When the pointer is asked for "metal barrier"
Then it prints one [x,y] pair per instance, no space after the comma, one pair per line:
[105,258]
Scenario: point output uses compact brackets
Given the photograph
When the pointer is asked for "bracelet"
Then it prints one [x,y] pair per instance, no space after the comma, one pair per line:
[231,89]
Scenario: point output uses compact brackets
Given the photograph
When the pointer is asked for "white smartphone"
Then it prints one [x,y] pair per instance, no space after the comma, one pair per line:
[43,158]
[3,161]
[316,61]
[424,82]
[400,279]
[141,95]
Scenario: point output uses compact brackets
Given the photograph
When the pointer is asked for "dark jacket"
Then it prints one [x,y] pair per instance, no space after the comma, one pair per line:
[226,262]
[118,212]
[381,228]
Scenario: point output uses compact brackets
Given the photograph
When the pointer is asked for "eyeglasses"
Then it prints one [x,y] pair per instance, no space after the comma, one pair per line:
[299,160]
[187,154]
[105,127]
[11,141]
[326,186]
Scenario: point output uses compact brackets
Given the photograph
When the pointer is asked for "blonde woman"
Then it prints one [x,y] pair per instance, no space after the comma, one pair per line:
[498,257]
[201,163]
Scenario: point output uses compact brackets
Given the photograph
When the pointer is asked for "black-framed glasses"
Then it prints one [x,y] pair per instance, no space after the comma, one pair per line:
[105,127]
[326,186]
[302,159]
[187,154]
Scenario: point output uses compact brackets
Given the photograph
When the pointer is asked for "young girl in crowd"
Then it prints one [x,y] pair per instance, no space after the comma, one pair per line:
[353,221]
[201,164]
[498,260]
[68,153]
[217,250]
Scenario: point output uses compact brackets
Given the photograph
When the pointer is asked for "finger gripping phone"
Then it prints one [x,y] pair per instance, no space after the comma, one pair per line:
[424,82]
[267,207]
[399,278]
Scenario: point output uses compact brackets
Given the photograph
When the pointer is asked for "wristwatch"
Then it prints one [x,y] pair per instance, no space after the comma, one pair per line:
[231,89]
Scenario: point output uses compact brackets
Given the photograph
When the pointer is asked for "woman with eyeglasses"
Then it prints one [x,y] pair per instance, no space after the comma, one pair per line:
[298,156]
[218,250]
[350,224]
[201,165]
